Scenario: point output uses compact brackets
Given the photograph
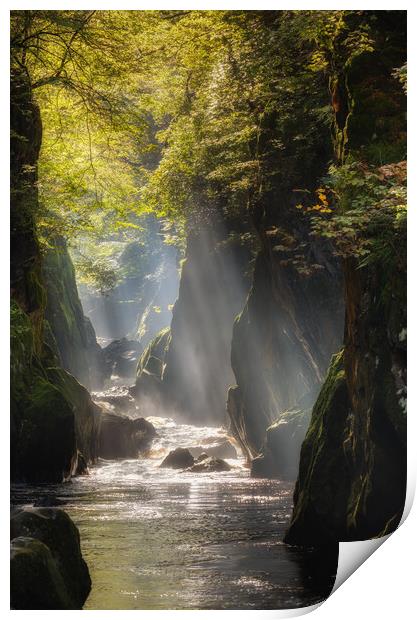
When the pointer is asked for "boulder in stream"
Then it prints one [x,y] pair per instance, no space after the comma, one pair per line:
[123,437]
[47,567]
[210,464]
[180,458]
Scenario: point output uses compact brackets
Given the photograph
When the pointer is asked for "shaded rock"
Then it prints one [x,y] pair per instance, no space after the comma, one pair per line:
[122,437]
[121,357]
[46,446]
[210,464]
[224,450]
[52,415]
[180,458]
[352,478]
[46,552]
[281,452]
[35,581]
[280,351]
[82,466]
[85,411]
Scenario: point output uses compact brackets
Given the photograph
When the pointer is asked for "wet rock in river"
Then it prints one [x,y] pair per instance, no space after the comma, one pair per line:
[203,456]
[180,458]
[123,437]
[47,567]
[119,398]
[210,464]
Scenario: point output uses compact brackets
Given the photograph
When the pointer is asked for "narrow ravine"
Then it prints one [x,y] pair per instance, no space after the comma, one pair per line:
[165,539]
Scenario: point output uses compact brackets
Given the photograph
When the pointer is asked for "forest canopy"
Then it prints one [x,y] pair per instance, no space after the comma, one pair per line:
[186,114]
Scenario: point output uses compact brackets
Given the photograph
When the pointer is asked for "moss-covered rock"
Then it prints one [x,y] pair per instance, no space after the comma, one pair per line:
[150,369]
[74,336]
[47,567]
[52,415]
[352,478]
[86,412]
[47,441]
[35,581]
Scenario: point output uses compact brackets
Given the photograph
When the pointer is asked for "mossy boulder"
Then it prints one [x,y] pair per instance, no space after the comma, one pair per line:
[52,415]
[47,439]
[35,581]
[47,567]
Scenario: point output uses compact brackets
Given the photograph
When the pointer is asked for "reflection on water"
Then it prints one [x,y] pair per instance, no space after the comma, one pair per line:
[162,539]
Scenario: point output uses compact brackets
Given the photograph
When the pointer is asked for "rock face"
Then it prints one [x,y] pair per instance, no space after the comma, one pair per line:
[121,357]
[192,370]
[52,415]
[280,454]
[180,458]
[122,437]
[358,492]
[352,478]
[47,567]
[280,350]
[148,387]
[72,332]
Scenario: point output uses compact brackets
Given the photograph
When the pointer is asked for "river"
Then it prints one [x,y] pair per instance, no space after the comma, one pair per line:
[164,539]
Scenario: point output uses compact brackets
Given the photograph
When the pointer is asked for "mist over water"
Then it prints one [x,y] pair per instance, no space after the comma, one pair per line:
[166,539]
[141,302]
[158,538]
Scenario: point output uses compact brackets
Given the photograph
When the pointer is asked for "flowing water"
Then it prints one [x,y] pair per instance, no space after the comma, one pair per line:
[164,539]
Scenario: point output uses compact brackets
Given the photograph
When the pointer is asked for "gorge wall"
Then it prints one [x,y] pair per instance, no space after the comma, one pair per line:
[352,478]
[71,333]
[52,416]
[187,369]
[282,340]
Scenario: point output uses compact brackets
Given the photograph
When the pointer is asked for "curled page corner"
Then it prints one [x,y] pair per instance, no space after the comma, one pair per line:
[352,555]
